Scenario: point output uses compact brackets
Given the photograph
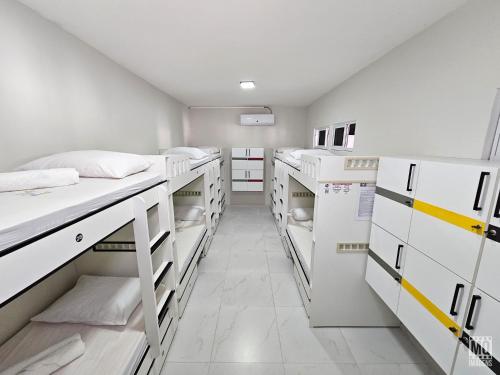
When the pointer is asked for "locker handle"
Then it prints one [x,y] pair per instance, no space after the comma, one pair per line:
[479,191]
[473,303]
[397,265]
[453,309]
[497,207]
[410,174]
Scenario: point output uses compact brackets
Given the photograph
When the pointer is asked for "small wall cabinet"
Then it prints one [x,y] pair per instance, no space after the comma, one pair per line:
[247,169]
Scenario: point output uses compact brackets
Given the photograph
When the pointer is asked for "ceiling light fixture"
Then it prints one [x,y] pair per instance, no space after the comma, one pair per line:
[247,85]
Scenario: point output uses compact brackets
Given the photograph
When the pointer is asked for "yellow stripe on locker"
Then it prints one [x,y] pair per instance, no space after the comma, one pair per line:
[465,222]
[432,308]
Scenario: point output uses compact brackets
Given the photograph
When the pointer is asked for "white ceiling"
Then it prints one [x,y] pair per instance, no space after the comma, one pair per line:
[199,50]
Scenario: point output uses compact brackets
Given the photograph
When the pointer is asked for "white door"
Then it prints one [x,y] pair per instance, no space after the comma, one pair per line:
[449,213]
[255,186]
[383,283]
[240,152]
[481,325]
[432,306]
[255,164]
[256,153]
[239,174]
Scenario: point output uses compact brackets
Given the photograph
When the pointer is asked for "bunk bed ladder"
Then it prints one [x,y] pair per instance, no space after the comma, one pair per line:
[155,306]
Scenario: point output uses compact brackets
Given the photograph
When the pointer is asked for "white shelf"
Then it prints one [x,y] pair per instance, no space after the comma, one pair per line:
[302,238]
[186,239]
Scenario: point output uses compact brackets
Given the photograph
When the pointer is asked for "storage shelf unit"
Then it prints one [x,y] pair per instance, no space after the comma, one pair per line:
[247,169]
[434,255]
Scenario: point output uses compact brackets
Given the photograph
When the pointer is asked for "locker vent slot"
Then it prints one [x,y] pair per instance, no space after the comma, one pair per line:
[187,193]
[352,247]
[302,194]
[361,164]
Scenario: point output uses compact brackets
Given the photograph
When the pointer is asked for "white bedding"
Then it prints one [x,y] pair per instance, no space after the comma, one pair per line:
[303,239]
[108,349]
[197,162]
[292,161]
[29,213]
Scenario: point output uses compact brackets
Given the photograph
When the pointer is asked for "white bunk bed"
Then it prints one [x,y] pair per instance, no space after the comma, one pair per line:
[330,255]
[191,182]
[42,231]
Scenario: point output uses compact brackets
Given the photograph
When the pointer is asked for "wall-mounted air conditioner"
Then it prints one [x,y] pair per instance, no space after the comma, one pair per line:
[257,120]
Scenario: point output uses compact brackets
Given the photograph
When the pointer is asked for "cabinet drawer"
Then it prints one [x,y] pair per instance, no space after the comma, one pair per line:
[256,152]
[239,152]
[383,283]
[389,248]
[393,216]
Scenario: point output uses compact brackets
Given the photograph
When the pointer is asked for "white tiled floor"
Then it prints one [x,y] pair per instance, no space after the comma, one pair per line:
[245,316]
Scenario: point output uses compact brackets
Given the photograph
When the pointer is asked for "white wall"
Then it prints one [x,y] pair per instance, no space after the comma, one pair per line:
[432,95]
[58,94]
[221,127]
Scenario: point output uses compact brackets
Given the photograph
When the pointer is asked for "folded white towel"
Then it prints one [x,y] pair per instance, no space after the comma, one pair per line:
[51,359]
[302,214]
[38,179]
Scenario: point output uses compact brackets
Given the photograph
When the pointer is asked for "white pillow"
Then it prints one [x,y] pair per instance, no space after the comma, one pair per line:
[95,300]
[209,149]
[188,213]
[192,152]
[297,154]
[302,214]
[93,163]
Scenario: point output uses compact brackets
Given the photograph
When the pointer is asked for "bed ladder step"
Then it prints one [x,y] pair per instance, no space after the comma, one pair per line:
[158,240]
[160,273]
[162,306]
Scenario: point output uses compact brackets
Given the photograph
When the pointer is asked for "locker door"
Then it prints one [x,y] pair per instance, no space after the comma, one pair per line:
[255,164]
[256,174]
[240,164]
[383,283]
[398,175]
[389,248]
[255,186]
[240,152]
[256,153]
[488,277]
[432,305]
[239,174]
[396,183]
[481,325]
[450,209]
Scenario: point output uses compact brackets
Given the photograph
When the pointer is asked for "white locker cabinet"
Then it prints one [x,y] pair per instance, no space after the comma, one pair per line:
[488,276]
[248,169]
[432,305]
[480,326]
[383,283]
[450,209]
[396,185]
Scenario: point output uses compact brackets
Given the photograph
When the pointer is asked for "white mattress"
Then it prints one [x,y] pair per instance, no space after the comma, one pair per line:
[292,161]
[108,349]
[197,162]
[29,213]
[186,239]
[303,239]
